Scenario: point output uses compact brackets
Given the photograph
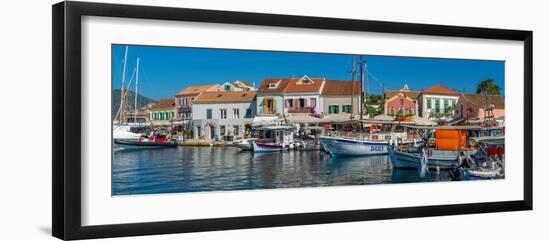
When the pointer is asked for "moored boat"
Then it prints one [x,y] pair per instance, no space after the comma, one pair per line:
[371,144]
[274,138]
[155,140]
[245,144]
[450,143]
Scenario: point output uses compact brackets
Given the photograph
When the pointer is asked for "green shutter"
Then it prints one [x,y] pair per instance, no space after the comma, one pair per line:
[437,109]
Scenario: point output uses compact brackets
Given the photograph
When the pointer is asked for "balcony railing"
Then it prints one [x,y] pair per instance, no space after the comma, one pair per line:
[301,110]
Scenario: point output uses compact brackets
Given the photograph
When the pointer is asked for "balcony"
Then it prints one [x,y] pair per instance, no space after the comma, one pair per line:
[301,110]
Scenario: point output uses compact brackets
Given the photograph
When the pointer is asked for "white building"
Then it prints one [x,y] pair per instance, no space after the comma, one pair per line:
[223,114]
[238,85]
[438,100]
[290,96]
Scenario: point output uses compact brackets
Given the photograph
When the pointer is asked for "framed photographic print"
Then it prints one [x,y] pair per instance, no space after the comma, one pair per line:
[169,120]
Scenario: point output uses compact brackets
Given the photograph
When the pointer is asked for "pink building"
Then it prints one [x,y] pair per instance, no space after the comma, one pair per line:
[402,102]
[472,106]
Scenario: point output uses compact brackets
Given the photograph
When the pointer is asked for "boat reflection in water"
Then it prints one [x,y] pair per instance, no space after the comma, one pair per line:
[194,169]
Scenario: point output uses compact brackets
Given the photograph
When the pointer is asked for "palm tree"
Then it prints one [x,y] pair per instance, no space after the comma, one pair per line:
[488,87]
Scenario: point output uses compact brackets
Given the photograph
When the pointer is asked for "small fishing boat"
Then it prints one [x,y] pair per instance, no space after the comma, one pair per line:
[369,144]
[480,173]
[274,138]
[154,140]
[245,144]
[449,144]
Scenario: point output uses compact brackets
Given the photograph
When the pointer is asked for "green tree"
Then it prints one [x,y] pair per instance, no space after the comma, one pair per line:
[488,87]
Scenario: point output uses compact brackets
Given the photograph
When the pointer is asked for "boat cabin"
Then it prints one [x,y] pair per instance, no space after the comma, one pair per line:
[277,134]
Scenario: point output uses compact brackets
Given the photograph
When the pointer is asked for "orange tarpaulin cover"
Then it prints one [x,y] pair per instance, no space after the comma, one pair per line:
[450,139]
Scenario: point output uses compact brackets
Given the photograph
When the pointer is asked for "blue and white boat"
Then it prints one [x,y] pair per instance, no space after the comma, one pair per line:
[442,160]
[370,144]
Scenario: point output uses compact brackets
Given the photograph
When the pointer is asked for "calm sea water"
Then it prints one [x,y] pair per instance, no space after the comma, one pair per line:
[194,169]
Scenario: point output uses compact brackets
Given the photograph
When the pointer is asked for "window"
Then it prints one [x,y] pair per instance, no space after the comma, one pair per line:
[227,88]
[401,101]
[401,111]
[312,102]
[446,105]
[235,130]
[346,108]
[209,114]
[333,109]
[184,102]
[236,114]
[248,113]
[272,85]
[290,103]
[437,107]
[411,111]
[223,114]
[392,111]
[302,103]
[222,130]
[429,103]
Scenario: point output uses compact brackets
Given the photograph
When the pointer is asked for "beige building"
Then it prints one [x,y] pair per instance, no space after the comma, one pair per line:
[336,97]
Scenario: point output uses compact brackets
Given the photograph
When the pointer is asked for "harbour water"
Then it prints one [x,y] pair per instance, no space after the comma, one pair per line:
[195,169]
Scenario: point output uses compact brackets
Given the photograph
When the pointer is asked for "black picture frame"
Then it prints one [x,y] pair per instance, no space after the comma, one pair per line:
[66,159]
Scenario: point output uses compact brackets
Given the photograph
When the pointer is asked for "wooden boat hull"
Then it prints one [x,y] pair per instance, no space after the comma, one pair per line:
[412,160]
[144,144]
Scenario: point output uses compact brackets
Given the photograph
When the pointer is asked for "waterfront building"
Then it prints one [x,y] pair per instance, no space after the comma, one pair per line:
[184,101]
[238,85]
[472,106]
[223,115]
[302,96]
[290,96]
[162,113]
[336,97]
[269,98]
[402,102]
[437,102]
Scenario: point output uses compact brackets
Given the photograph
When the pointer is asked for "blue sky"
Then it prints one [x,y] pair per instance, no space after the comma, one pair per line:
[164,71]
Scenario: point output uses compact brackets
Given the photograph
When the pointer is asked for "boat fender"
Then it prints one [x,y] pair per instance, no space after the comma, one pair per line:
[423,164]
[291,146]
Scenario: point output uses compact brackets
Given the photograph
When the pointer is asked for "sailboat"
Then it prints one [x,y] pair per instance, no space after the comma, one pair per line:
[122,129]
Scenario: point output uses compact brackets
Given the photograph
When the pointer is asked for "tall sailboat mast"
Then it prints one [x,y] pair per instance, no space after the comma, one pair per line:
[361,100]
[122,94]
[352,86]
[136,92]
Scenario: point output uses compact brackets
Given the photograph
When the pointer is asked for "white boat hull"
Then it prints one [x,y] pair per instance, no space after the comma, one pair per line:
[269,147]
[122,132]
[412,160]
[349,147]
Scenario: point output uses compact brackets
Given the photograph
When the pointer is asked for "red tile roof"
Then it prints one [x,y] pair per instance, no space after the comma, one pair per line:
[225,97]
[195,90]
[481,100]
[296,85]
[281,84]
[164,103]
[291,85]
[440,89]
[340,88]
[410,94]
